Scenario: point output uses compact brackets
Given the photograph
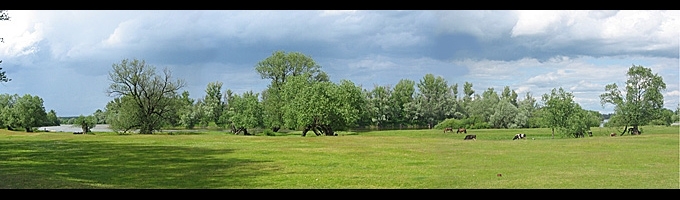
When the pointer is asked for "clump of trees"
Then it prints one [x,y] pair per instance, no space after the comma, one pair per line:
[300,96]
[25,112]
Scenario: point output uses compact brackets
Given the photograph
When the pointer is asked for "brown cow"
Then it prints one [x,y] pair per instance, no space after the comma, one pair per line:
[612,134]
[448,129]
[470,137]
[461,130]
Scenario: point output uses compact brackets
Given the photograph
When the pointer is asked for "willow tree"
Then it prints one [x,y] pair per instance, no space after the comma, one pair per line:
[245,112]
[279,67]
[434,101]
[148,97]
[642,100]
[322,107]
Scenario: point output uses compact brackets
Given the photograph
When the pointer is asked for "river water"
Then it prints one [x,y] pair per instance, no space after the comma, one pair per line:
[71,128]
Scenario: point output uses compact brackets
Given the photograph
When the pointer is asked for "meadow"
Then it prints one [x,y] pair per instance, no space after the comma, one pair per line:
[401,159]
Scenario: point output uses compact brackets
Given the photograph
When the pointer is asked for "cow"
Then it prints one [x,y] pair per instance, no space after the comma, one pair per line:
[77,133]
[519,136]
[612,135]
[448,129]
[470,137]
[461,130]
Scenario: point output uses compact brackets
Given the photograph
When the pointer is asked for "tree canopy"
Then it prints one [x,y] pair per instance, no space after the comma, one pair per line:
[640,101]
[147,98]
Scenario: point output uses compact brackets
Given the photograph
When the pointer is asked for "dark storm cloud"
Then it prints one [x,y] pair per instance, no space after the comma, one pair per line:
[527,50]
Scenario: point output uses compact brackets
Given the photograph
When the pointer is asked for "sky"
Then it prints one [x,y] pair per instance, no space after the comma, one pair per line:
[65,56]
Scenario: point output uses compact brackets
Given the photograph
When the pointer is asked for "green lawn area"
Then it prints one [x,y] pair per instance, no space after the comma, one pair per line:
[373,159]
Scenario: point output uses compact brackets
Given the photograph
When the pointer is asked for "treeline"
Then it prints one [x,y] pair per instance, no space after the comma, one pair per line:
[300,96]
[25,112]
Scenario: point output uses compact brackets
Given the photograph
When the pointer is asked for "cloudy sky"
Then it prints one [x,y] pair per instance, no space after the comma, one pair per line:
[64,56]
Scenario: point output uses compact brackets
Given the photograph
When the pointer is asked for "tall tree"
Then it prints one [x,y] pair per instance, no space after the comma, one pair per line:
[247,112]
[51,119]
[380,109]
[322,107]
[504,115]
[562,113]
[279,67]
[526,109]
[153,95]
[402,94]
[468,92]
[642,101]
[434,100]
[29,112]
[213,100]
[7,117]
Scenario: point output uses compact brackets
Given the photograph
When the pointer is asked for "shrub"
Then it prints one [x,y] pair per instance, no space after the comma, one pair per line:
[269,132]
[452,123]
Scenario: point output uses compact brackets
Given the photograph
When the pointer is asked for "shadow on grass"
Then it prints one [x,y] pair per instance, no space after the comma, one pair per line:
[71,164]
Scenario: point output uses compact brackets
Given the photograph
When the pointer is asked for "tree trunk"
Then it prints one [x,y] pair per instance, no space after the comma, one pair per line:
[624,130]
[327,130]
[553,133]
[304,132]
[634,130]
[316,131]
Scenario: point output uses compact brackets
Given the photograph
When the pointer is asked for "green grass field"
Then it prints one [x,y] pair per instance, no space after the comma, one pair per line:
[373,159]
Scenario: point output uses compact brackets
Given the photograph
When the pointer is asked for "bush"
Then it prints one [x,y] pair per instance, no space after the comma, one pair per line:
[269,132]
[481,125]
[659,122]
[468,123]
[450,123]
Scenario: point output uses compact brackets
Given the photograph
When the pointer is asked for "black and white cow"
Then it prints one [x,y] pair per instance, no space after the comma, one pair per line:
[519,136]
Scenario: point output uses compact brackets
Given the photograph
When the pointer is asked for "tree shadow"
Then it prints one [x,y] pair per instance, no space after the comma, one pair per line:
[86,164]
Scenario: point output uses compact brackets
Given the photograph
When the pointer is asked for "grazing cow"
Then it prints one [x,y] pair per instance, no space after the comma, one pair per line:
[448,129]
[612,134]
[470,137]
[519,136]
[461,130]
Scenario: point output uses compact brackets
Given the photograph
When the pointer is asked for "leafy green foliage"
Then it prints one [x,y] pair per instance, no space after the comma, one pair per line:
[150,99]
[85,122]
[246,111]
[213,102]
[565,115]
[380,108]
[51,119]
[279,67]
[434,102]
[642,101]
[122,114]
[402,94]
